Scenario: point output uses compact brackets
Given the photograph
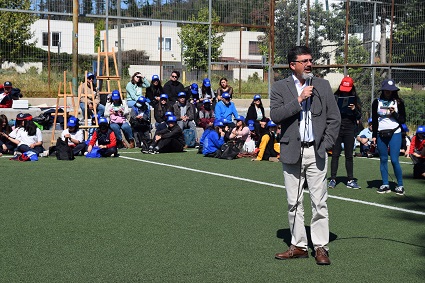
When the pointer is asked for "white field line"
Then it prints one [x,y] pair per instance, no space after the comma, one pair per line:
[274,185]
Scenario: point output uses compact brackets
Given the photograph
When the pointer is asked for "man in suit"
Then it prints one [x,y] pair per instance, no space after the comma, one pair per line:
[306,109]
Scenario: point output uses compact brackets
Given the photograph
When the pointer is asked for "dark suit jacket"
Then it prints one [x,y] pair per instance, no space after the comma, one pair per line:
[285,110]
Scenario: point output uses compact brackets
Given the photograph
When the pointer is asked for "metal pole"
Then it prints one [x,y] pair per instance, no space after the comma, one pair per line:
[105,43]
[372,55]
[119,52]
[209,36]
[299,24]
[347,22]
[271,45]
[307,28]
[160,50]
[75,48]
[48,53]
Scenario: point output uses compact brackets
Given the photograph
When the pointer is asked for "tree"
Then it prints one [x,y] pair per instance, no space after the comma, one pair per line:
[87,7]
[409,39]
[286,30]
[194,41]
[15,29]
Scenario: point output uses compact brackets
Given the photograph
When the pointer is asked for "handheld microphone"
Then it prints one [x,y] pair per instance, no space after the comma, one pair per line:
[308,78]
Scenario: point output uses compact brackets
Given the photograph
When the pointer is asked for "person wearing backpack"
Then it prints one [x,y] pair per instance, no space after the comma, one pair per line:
[75,136]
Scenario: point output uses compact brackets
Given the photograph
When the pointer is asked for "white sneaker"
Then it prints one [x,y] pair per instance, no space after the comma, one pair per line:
[44,153]
[399,190]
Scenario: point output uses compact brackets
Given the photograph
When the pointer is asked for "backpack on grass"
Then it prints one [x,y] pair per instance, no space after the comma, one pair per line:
[63,150]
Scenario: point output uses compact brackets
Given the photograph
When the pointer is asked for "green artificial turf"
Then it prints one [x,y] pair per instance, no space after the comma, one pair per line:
[185,218]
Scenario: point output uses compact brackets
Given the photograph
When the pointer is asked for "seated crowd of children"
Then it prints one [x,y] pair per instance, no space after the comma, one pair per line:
[123,127]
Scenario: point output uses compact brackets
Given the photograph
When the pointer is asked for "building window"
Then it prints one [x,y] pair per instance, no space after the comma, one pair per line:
[56,39]
[254,48]
[166,43]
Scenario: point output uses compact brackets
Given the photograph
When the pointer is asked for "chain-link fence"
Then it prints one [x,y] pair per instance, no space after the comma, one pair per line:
[245,41]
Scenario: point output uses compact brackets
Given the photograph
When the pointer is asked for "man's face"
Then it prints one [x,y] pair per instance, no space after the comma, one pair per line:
[7,89]
[303,65]
[182,99]
[174,77]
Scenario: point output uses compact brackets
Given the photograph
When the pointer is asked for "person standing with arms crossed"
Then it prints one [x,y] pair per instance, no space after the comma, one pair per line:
[306,109]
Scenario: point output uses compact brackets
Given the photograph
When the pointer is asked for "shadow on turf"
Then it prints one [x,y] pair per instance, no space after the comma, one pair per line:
[412,202]
[285,235]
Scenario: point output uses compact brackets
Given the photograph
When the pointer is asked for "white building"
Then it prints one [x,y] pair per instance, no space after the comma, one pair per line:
[61,36]
[147,36]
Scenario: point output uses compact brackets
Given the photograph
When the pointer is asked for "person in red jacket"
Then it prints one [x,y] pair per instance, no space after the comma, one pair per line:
[6,97]
[105,139]
[417,152]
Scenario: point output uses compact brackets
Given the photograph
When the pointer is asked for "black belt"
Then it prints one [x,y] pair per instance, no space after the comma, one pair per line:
[307,144]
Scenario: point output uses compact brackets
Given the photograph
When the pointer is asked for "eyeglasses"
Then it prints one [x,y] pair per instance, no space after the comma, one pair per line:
[138,77]
[175,77]
[305,61]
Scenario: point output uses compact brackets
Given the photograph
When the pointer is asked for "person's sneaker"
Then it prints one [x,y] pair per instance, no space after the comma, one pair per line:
[15,157]
[332,184]
[384,189]
[153,151]
[399,190]
[353,185]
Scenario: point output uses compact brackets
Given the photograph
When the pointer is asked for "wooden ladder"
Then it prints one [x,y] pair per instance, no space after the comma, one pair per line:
[86,92]
[65,95]
[106,75]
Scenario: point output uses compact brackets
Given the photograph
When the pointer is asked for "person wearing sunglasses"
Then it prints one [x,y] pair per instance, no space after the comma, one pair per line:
[173,87]
[135,87]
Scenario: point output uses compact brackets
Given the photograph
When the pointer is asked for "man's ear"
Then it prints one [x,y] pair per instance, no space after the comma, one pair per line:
[292,65]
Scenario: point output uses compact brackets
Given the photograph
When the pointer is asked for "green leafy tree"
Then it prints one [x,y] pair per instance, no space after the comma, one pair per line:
[286,30]
[194,42]
[15,30]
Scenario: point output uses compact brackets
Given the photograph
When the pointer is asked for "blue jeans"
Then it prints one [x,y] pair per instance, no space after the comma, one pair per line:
[130,103]
[100,109]
[125,127]
[394,143]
